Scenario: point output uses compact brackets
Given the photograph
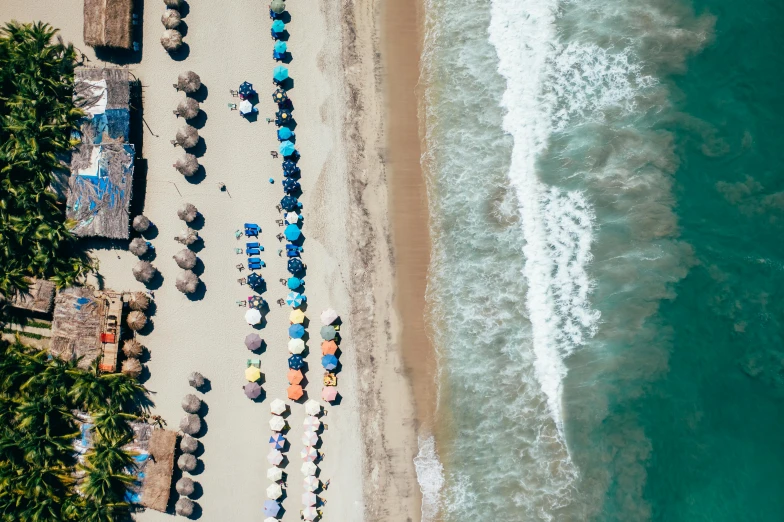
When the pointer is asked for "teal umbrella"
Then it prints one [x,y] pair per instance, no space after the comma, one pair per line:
[278,26]
[286,148]
[293,283]
[284,133]
[328,333]
[280,73]
[292,232]
[280,46]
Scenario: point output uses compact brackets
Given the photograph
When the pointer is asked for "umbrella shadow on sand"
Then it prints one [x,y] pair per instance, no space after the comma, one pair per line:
[198,295]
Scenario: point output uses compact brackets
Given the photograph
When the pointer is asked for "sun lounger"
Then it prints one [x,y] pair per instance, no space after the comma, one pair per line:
[252,245]
[254,362]
[252,251]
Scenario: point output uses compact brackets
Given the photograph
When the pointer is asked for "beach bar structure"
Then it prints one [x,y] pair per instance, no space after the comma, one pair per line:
[39,297]
[101,182]
[156,484]
[108,23]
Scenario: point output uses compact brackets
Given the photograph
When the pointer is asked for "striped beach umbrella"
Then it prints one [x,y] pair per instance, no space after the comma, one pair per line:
[295,299]
[310,483]
[274,457]
[308,454]
[277,442]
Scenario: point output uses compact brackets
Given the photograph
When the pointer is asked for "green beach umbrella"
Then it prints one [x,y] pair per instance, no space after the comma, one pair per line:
[280,73]
[280,46]
[277,6]
[278,26]
[328,333]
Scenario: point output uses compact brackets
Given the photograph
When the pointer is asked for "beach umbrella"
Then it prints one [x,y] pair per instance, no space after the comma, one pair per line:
[254,279]
[255,301]
[187,282]
[190,424]
[138,246]
[277,6]
[246,107]
[329,393]
[308,468]
[187,137]
[139,301]
[188,444]
[274,474]
[252,390]
[270,519]
[278,26]
[329,362]
[196,379]
[191,404]
[252,373]
[143,271]
[187,165]
[188,108]
[279,96]
[310,513]
[291,186]
[277,423]
[280,47]
[311,423]
[136,320]
[185,259]
[185,486]
[284,133]
[295,362]
[131,367]
[132,348]
[286,148]
[289,203]
[312,407]
[328,333]
[171,40]
[274,491]
[328,316]
[308,499]
[277,441]
[295,376]
[279,73]
[284,115]
[187,212]
[295,266]
[253,316]
[271,508]
[188,81]
[246,89]
[296,331]
[308,454]
[310,483]
[253,342]
[329,348]
[289,166]
[296,346]
[141,223]
[184,507]
[293,283]
[274,457]
[174,4]
[297,317]
[309,438]
[294,392]
[292,232]
[278,407]
[171,19]
[294,298]
[187,462]
[292,218]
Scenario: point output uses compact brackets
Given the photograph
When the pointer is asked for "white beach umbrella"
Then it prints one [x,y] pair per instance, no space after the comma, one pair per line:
[311,423]
[246,107]
[274,474]
[328,316]
[271,519]
[278,407]
[308,499]
[274,457]
[292,218]
[274,492]
[312,407]
[308,468]
[308,454]
[309,438]
[296,346]
[310,483]
[253,316]
[277,423]
[309,513]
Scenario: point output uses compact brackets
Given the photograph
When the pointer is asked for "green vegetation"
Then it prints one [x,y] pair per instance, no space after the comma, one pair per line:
[37,116]
[40,479]
[31,335]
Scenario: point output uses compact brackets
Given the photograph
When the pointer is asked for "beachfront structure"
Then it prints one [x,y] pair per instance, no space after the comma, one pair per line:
[108,23]
[39,297]
[102,165]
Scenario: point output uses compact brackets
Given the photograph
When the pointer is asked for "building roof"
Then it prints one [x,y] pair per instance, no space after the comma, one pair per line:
[77,325]
[158,470]
[38,298]
[108,23]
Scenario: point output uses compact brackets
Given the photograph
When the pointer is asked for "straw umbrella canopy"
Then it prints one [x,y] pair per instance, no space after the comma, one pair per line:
[190,424]
[310,483]
[274,491]
[308,498]
[274,457]
[188,108]
[187,237]
[139,301]
[295,392]
[196,379]
[144,271]
[171,40]
[187,462]
[296,346]
[171,19]
[136,320]
[187,282]
[252,390]
[308,468]
[312,407]
[184,507]
[191,403]
[188,444]
[295,376]
[278,407]
[141,223]
[187,212]
[253,342]
[132,367]
[189,82]
[185,259]
[187,137]
[132,348]
[328,316]
[185,486]
[277,423]
[138,247]
[173,4]
[274,474]
[277,6]
[187,165]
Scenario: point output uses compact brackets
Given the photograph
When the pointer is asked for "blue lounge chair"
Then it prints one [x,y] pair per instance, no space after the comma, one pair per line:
[252,251]
[252,245]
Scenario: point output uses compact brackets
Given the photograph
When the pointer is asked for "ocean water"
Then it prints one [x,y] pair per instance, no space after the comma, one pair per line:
[607,269]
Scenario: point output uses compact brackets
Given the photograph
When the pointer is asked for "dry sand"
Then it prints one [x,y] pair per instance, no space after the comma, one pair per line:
[338,105]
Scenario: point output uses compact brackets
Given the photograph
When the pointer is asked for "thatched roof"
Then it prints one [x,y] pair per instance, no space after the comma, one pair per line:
[185,259]
[188,165]
[188,108]
[190,424]
[132,348]
[108,23]
[188,81]
[138,247]
[187,137]
[187,282]
[187,212]
[139,301]
[188,236]
[174,4]
[185,486]
[136,320]
[143,271]
[187,462]
[158,470]
[188,444]
[38,298]
[171,19]
[171,40]
[191,403]
[141,223]
[132,367]
[184,507]
[76,325]
[196,379]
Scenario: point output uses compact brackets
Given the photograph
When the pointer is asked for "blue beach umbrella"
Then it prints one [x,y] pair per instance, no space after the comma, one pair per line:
[295,299]
[284,133]
[289,203]
[329,362]
[295,362]
[290,186]
[246,89]
[286,148]
[278,26]
[293,283]
[295,266]
[277,441]
[271,508]
[292,232]
[254,280]
[280,73]
[296,331]
[280,46]
[290,169]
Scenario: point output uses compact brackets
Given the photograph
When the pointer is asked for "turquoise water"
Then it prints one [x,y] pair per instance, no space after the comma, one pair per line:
[607,276]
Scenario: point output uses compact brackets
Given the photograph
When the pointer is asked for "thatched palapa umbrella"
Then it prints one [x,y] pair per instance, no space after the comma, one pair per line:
[132,348]
[184,507]
[188,108]
[190,424]
[188,444]
[171,19]
[132,367]
[143,271]
[188,81]
[141,223]
[185,259]
[136,320]
[172,4]
[187,166]
[187,462]
[185,486]
[187,282]
[187,212]
[191,403]
[171,40]
[187,137]
[139,301]
[188,236]
[196,379]
[138,247]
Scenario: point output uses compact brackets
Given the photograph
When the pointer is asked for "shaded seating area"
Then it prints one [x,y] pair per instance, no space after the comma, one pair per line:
[108,23]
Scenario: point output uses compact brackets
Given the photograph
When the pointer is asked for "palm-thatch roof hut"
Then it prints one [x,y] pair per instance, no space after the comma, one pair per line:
[187,282]
[139,301]
[108,23]
[138,247]
[156,485]
[136,320]
[171,40]
[188,444]
[190,424]
[184,507]
[187,137]
[132,348]
[132,367]
[141,223]
[185,259]
[187,462]
[185,486]
[187,212]
[187,166]
[144,271]
[171,19]
[188,108]
[196,379]
[188,81]
[172,4]
[191,403]
[39,296]
[188,236]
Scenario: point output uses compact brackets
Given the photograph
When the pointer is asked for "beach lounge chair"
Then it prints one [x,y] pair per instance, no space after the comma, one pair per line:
[234,93]
[252,226]
[242,280]
[280,302]
[238,250]
[241,303]
[252,251]
[254,362]
[280,237]
[279,208]
[238,233]
[233,106]
[292,253]
[279,222]
[240,267]
[251,245]
[274,153]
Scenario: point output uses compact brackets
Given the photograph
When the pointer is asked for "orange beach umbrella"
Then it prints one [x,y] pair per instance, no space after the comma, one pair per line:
[295,392]
[329,348]
[295,376]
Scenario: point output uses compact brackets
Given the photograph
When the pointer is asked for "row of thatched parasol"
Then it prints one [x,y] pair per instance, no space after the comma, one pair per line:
[171,20]
[190,425]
